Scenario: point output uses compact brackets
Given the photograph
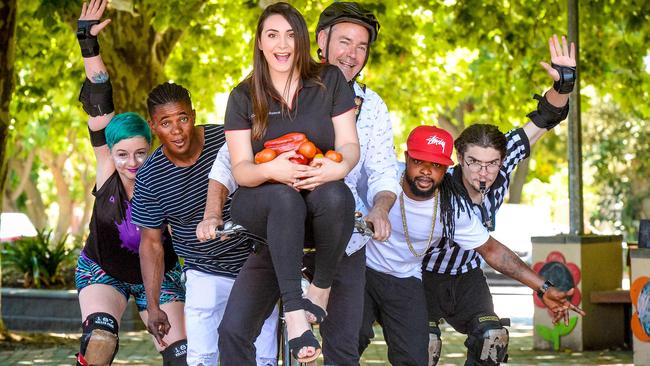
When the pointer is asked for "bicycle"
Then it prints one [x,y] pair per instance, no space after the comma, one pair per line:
[230,228]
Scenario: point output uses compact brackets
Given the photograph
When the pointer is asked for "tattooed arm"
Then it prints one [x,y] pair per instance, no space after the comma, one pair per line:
[96,73]
[504,260]
[95,68]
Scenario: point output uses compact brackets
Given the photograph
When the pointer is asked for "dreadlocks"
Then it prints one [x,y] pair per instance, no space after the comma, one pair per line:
[453,201]
[167,93]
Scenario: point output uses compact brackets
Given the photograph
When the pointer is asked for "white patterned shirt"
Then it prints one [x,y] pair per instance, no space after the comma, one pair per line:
[377,168]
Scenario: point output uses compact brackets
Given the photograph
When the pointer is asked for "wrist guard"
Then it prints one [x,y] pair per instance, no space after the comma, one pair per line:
[547,115]
[87,42]
[568,76]
[97,99]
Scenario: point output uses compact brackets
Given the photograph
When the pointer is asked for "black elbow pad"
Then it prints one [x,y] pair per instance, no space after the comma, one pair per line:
[97,99]
[547,115]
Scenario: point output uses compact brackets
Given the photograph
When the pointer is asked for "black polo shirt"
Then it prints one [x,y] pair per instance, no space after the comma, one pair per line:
[311,114]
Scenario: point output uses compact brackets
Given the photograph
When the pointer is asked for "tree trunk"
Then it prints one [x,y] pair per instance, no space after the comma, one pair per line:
[7,83]
[88,201]
[56,165]
[35,206]
[517,183]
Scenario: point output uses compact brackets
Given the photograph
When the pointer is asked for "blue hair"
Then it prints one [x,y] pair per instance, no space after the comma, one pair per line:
[124,126]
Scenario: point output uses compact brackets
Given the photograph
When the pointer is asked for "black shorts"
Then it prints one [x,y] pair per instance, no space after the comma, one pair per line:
[459,299]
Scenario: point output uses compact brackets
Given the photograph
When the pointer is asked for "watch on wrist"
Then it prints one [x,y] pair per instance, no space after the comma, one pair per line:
[542,290]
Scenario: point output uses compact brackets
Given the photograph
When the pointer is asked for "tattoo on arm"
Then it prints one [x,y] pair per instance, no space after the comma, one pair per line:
[511,265]
[99,77]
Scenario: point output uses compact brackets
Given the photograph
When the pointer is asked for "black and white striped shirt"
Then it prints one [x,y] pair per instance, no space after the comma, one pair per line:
[165,193]
[450,258]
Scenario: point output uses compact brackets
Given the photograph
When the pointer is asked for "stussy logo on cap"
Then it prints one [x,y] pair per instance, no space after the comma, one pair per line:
[435,140]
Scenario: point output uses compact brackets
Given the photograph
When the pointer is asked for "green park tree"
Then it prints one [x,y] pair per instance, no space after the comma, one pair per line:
[451,63]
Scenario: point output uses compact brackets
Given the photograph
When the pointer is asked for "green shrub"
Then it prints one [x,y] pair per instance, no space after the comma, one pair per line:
[40,260]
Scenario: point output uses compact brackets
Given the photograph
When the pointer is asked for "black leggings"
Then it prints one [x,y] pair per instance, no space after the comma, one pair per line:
[280,214]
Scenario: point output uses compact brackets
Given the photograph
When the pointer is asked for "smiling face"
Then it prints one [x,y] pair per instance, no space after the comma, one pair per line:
[347,48]
[421,178]
[129,155]
[173,123]
[277,44]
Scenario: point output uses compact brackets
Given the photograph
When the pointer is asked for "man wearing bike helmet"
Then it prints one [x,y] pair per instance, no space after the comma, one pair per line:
[345,33]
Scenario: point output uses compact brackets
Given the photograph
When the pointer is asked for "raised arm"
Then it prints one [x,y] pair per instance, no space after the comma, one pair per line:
[562,71]
[96,93]
[504,260]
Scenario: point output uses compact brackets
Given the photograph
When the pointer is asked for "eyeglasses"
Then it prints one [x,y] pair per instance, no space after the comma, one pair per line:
[476,166]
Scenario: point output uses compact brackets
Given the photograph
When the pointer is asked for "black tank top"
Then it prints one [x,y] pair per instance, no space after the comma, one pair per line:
[114,242]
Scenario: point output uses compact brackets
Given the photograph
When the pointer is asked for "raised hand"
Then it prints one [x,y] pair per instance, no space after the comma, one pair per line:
[93,11]
[561,54]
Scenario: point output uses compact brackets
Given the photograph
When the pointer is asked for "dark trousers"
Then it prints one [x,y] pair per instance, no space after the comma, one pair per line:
[459,299]
[279,213]
[256,291]
[399,306]
[252,298]
[340,330]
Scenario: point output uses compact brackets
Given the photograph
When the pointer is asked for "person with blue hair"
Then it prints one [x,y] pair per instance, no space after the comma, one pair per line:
[108,269]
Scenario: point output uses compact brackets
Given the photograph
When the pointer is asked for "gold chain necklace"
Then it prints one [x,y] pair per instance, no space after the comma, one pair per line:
[406,230]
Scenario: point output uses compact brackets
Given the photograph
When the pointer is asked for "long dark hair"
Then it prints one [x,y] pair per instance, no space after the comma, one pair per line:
[262,89]
[482,135]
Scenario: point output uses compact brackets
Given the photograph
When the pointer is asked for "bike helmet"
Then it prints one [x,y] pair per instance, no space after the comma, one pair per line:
[348,12]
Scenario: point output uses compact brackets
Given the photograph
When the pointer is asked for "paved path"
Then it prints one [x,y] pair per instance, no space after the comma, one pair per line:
[516,303]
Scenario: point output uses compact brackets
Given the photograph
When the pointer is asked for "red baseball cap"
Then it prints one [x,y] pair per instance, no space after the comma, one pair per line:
[429,143]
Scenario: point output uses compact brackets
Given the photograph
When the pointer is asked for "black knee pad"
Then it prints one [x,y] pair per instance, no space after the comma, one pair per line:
[435,343]
[487,342]
[175,354]
[99,341]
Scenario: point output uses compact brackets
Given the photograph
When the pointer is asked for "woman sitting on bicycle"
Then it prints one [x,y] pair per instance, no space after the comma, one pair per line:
[285,202]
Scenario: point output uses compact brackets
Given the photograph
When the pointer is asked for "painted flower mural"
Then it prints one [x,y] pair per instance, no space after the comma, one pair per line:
[563,275]
[640,294]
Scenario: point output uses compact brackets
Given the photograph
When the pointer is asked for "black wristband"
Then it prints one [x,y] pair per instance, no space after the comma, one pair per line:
[547,115]
[568,76]
[87,42]
[97,138]
[542,290]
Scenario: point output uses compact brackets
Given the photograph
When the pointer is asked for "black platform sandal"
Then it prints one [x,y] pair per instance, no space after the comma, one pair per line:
[307,339]
[314,310]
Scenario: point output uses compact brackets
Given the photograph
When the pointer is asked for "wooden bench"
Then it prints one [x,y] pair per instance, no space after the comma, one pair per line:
[610,297]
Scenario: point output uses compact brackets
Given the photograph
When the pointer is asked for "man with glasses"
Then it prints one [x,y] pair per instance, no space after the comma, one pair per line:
[455,286]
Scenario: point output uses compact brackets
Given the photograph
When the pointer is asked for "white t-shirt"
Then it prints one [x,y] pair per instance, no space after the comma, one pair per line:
[393,257]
